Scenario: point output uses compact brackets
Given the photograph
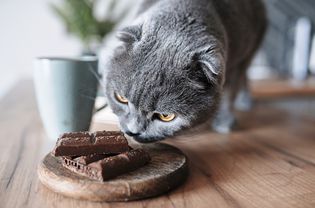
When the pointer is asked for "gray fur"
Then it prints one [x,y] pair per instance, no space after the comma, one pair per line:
[178,56]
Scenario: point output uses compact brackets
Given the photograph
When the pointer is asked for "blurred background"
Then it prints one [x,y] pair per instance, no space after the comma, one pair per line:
[29,29]
[283,68]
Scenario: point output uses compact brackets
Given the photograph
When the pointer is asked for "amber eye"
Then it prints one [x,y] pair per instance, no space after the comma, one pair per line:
[166,117]
[121,99]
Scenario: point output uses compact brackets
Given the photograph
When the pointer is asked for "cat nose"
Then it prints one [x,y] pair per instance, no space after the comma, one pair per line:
[132,134]
[134,126]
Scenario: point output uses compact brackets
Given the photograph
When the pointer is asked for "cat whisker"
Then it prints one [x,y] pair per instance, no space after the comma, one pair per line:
[88,97]
[87,93]
[97,76]
[191,132]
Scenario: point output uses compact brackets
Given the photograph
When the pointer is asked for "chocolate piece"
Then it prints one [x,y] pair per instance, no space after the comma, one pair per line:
[85,143]
[109,167]
[90,158]
[85,160]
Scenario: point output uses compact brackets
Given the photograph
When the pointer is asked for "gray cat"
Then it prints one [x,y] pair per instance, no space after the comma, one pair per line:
[177,61]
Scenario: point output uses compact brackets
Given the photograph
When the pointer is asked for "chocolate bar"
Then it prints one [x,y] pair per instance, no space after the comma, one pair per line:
[85,160]
[85,143]
[108,167]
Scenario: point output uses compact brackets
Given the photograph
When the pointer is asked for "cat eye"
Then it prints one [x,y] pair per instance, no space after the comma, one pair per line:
[166,117]
[121,98]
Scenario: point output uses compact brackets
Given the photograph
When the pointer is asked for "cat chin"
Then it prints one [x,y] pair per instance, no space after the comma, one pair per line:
[141,139]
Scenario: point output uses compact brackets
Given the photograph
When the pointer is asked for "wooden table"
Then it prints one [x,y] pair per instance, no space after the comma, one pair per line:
[269,162]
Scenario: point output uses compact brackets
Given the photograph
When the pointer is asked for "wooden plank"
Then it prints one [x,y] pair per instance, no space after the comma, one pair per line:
[286,133]
[279,89]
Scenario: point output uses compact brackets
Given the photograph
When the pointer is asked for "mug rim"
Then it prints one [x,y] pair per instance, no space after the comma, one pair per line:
[81,58]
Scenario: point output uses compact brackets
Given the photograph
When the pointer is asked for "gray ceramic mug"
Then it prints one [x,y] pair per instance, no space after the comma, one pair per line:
[65,90]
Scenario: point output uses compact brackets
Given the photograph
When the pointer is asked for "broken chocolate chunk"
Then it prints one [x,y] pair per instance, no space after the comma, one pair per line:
[108,167]
[84,143]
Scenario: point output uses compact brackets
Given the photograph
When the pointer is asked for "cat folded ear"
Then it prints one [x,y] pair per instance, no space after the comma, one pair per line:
[212,63]
[130,34]
[208,70]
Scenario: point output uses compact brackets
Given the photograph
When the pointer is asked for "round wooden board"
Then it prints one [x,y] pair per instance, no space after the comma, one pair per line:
[167,169]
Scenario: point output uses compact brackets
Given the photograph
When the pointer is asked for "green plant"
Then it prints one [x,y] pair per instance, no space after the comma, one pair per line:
[78,16]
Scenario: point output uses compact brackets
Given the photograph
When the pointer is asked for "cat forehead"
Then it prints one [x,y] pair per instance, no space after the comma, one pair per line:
[145,80]
[150,89]
[169,51]
[158,66]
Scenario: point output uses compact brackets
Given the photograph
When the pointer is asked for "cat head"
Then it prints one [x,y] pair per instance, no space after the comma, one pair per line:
[159,83]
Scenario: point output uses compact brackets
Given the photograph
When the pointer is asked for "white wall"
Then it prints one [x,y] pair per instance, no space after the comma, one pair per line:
[29,29]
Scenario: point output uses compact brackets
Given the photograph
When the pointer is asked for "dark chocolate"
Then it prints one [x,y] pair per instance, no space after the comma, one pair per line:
[109,167]
[85,160]
[85,143]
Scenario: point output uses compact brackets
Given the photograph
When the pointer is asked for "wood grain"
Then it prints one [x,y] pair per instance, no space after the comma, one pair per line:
[167,169]
[280,89]
[268,162]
